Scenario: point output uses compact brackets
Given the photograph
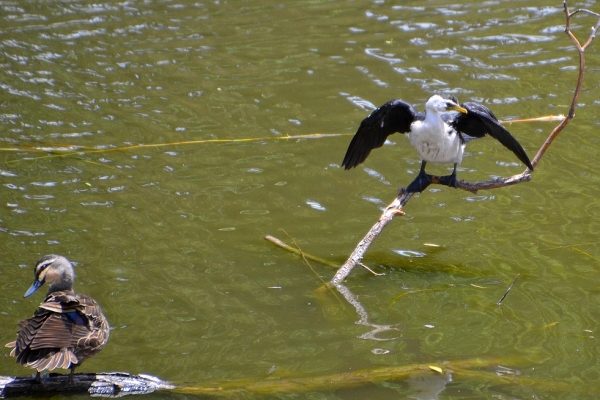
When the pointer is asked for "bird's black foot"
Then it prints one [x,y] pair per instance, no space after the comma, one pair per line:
[421,182]
[449,180]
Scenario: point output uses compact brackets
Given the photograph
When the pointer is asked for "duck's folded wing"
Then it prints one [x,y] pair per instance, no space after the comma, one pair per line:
[50,330]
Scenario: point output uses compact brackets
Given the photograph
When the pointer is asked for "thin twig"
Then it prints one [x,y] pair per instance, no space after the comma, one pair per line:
[508,290]
[304,257]
[370,270]
[298,250]
[289,248]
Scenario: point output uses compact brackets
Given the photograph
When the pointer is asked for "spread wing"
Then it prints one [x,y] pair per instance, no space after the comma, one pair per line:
[480,121]
[393,116]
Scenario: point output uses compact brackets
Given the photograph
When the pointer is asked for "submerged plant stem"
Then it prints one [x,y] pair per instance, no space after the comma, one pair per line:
[67,150]
[278,387]
[478,370]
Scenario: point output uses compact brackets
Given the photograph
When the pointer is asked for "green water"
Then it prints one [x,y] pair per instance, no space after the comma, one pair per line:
[170,240]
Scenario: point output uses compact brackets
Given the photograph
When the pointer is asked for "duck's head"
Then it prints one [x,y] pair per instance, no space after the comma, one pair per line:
[56,270]
[440,104]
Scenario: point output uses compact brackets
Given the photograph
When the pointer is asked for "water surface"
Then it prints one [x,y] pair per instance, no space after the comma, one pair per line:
[169,239]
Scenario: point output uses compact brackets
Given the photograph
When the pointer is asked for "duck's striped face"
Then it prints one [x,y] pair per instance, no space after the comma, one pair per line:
[43,272]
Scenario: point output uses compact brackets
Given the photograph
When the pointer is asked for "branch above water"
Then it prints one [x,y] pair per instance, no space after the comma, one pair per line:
[395,208]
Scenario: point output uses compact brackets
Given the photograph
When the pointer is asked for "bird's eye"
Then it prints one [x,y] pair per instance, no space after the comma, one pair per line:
[43,266]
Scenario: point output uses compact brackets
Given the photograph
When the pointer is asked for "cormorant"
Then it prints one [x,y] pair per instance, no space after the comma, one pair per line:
[438,138]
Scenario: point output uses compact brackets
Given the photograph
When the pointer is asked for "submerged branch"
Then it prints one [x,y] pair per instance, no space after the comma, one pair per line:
[301,253]
[483,371]
[279,387]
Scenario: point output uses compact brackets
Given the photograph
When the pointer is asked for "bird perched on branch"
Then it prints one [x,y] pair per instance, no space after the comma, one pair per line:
[438,136]
[66,329]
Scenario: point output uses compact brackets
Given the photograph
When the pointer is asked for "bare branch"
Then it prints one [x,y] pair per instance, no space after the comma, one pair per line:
[496,183]
[395,208]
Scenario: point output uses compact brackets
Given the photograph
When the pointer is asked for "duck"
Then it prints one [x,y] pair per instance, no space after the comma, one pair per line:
[437,135]
[66,329]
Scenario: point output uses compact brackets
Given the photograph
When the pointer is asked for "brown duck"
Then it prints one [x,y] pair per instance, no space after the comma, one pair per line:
[66,329]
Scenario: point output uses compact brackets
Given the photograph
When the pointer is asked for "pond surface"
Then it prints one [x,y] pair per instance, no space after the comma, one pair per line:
[169,236]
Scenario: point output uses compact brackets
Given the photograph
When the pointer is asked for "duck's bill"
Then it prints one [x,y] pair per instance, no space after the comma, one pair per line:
[34,286]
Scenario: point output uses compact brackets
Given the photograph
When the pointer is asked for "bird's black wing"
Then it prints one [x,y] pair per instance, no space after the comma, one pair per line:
[480,121]
[393,116]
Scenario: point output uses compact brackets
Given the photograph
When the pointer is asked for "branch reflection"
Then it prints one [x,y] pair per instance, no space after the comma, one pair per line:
[364,316]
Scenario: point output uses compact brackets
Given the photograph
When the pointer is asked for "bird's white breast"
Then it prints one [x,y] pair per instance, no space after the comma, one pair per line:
[435,141]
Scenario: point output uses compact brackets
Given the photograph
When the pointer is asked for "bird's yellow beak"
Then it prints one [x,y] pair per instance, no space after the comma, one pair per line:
[457,108]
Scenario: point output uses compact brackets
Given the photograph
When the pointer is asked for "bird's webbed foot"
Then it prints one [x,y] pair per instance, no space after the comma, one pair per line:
[421,182]
[448,180]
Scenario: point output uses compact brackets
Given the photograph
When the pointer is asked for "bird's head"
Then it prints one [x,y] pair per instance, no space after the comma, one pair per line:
[56,270]
[440,104]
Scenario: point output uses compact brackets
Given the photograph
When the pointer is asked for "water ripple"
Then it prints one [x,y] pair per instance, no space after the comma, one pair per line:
[409,253]
[362,103]
[18,92]
[39,196]
[376,53]
[97,203]
[315,205]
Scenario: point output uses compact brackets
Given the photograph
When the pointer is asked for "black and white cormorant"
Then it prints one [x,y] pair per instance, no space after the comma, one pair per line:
[438,136]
